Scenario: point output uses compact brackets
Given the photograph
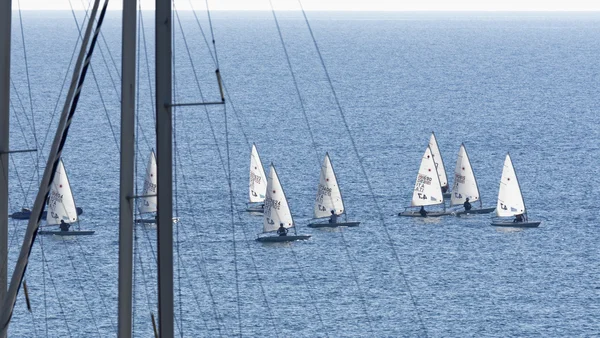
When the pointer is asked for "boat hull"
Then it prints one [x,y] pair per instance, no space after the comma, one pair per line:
[253,209]
[475,211]
[516,224]
[27,214]
[145,221]
[429,214]
[275,239]
[333,225]
[66,233]
[447,195]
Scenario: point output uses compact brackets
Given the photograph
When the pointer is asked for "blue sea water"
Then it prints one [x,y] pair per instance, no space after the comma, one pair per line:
[524,83]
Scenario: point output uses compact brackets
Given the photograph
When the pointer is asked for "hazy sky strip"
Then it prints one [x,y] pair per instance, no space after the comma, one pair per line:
[347,5]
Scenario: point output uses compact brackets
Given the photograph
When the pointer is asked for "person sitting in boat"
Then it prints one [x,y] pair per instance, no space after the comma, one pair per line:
[467,205]
[444,189]
[518,218]
[282,231]
[423,212]
[64,226]
[333,218]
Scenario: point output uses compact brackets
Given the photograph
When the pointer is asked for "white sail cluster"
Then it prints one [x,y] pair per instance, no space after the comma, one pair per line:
[427,189]
[510,199]
[61,205]
[277,210]
[149,203]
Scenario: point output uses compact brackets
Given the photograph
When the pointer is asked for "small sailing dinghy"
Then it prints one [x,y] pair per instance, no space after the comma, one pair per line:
[465,185]
[329,198]
[439,165]
[61,206]
[147,206]
[510,200]
[277,213]
[258,183]
[428,189]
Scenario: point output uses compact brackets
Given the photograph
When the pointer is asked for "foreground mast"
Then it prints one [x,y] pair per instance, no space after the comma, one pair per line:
[5,23]
[164,132]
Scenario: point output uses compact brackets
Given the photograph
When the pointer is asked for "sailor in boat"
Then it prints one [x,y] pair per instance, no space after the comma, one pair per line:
[282,231]
[467,205]
[444,188]
[64,226]
[333,218]
[423,212]
[518,218]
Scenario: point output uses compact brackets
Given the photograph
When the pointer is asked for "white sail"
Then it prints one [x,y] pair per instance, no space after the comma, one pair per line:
[329,196]
[465,184]
[61,206]
[510,199]
[148,204]
[428,190]
[258,179]
[437,158]
[276,206]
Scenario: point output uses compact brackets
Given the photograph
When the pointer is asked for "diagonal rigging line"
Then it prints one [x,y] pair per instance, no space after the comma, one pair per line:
[314,145]
[364,172]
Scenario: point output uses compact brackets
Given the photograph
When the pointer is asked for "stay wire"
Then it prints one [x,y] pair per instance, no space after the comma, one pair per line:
[215,61]
[81,286]
[314,145]
[37,157]
[60,305]
[362,167]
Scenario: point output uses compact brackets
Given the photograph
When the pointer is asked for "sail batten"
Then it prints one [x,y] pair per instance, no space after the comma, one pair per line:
[427,189]
[277,210]
[148,203]
[465,184]
[61,205]
[329,196]
[258,179]
[510,198]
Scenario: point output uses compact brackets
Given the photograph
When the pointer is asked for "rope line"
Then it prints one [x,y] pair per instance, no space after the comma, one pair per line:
[364,172]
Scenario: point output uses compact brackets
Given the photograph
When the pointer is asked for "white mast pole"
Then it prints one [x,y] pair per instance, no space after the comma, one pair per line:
[126,201]
[164,160]
[5,23]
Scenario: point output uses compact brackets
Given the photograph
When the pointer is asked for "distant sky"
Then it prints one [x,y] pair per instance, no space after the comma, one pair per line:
[349,5]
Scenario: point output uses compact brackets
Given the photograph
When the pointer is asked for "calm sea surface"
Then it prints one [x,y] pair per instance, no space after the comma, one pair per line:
[527,84]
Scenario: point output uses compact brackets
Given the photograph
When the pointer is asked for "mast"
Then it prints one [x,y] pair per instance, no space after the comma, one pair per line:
[164,130]
[5,36]
[126,202]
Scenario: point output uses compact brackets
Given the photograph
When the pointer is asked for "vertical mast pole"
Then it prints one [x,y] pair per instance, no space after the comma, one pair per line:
[126,203]
[5,23]
[164,130]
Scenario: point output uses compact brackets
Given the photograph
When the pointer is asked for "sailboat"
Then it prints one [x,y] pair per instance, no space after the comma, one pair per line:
[428,189]
[465,185]
[258,183]
[439,165]
[510,200]
[329,198]
[25,213]
[61,206]
[147,204]
[277,212]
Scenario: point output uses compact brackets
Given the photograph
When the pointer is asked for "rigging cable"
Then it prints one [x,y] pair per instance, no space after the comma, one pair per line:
[81,286]
[231,204]
[364,172]
[38,154]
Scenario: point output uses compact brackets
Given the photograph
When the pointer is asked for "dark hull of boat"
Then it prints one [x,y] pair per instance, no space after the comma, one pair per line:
[447,194]
[475,211]
[274,239]
[333,225]
[258,210]
[429,214]
[516,224]
[27,214]
[149,220]
[66,233]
